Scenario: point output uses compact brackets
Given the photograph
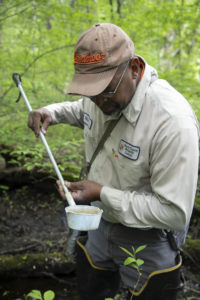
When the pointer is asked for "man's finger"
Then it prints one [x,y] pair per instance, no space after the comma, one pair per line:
[34,122]
[74,186]
[45,125]
[60,189]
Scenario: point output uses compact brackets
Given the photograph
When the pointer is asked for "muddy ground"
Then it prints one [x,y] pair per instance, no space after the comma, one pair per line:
[32,221]
[33,242]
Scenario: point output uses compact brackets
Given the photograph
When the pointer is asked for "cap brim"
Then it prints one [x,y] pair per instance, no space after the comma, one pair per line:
[91,84]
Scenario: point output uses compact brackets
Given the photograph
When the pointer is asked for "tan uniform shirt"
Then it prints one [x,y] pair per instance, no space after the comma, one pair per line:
[148,166]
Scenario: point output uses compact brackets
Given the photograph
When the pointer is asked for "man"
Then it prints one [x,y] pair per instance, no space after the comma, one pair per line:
[144,177]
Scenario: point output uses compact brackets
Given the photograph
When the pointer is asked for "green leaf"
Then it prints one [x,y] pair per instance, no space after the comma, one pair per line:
[129,260]
[133,265]
[125,250]
[5,293]
[133,249]
[29,168]
[49,295]
[140,248]
[139,262]
[4,187]
[35,294]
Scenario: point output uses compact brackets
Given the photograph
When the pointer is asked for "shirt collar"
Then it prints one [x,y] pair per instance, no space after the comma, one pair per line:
[132,111]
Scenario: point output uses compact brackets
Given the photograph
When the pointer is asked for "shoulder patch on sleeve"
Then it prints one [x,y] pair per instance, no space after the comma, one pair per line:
[87,120]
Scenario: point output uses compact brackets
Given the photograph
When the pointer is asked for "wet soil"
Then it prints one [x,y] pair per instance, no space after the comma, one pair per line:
[32,221]
[33,242]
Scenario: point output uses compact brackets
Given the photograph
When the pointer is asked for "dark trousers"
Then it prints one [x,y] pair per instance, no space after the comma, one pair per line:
[94,284]
[99,284]
[164,286]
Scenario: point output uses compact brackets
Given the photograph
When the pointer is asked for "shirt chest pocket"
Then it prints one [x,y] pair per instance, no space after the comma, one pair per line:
[129,166]
[132,169]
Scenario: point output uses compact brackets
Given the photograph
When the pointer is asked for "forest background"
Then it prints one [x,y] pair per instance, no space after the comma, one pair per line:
[37,40]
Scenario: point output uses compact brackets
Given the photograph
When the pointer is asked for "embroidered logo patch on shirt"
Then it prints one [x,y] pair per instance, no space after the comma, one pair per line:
[127,150]
[87,121]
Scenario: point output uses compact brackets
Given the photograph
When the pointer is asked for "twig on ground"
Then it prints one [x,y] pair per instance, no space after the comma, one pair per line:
[64,281]
[19,250]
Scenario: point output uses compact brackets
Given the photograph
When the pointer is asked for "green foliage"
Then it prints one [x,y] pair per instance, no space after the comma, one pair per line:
[4,187]
[36,294]
[37,39]
[131,260]
[6,196]
[67,154]
[197,200]
[134,262]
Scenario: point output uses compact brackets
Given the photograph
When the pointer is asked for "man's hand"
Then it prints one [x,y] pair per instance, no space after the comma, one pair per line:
[38,116]
[82,191]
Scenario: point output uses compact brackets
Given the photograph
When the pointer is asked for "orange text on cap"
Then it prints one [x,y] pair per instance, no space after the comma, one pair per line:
[88,59]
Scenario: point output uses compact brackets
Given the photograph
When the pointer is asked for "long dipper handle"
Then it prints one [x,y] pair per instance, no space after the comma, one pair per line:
[68,195]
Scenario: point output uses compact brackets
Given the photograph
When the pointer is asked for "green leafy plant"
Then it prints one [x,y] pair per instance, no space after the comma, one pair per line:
[134,262]
[4,187]
[36,294]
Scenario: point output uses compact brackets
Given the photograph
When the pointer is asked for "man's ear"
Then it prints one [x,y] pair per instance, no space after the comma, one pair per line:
[135,67]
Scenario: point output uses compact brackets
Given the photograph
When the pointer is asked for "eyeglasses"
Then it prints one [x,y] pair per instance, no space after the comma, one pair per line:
[111,94]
